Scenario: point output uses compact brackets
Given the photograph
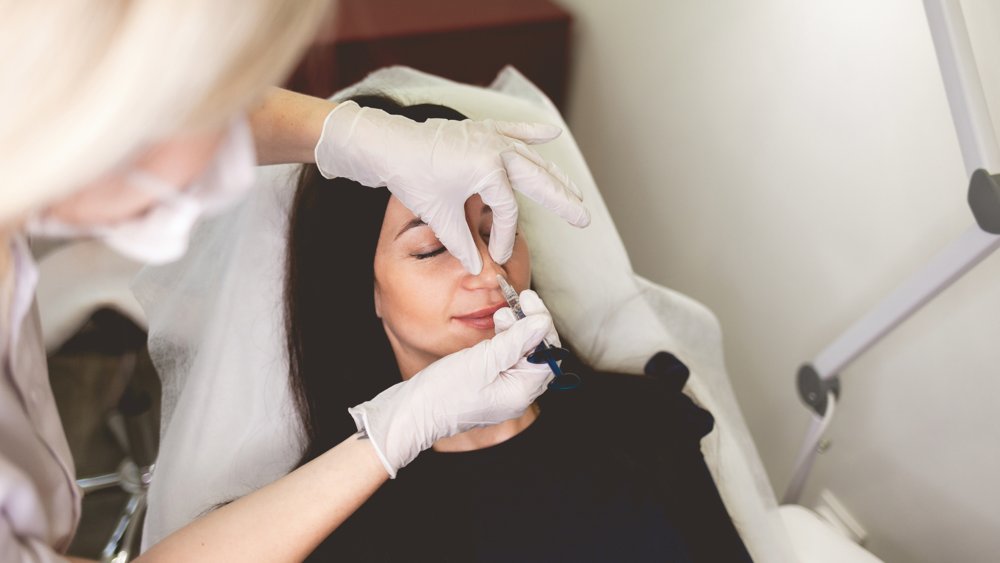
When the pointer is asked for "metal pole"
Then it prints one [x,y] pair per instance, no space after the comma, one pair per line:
[965,92]
[980,152]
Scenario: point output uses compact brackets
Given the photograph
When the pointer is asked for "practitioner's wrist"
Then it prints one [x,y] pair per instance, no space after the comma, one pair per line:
[288,125]
[362,442]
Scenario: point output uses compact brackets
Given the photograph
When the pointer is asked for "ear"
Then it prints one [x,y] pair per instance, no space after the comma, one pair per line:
[378,301]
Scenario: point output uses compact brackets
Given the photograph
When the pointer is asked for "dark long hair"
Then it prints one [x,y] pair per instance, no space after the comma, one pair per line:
[338,353]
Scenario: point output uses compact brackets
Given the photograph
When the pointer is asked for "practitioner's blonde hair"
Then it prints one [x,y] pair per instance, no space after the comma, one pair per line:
[86,83]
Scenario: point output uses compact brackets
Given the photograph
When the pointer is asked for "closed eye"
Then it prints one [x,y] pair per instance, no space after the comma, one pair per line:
[430,254]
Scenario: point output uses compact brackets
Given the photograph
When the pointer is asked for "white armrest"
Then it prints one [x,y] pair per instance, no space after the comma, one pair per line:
[693,324]
[815,541]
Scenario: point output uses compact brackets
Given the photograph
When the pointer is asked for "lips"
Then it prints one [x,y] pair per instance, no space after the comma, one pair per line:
[481,319]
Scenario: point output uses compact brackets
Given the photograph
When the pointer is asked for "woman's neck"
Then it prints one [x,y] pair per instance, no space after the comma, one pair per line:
[477,438]
[480,438]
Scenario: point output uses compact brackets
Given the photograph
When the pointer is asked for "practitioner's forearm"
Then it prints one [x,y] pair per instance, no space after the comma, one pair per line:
[287,125]
[285,520]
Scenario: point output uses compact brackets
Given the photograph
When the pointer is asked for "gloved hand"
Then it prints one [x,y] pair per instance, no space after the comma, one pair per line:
[479,386]
[531,304]
[435,166]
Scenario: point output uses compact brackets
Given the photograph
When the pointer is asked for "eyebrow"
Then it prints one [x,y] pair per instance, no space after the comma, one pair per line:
[418,222]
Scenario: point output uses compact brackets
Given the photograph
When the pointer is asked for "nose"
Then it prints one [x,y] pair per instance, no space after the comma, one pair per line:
[487,279]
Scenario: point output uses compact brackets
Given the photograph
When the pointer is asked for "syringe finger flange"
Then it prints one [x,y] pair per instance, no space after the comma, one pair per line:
[543,353]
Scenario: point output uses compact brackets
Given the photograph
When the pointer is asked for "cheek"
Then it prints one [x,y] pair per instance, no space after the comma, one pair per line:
[518,268]
[415,302]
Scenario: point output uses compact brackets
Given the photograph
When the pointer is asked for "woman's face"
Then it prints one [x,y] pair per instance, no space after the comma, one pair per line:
[429,304]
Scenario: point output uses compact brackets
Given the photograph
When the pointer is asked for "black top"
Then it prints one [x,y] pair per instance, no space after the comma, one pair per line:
[611,471]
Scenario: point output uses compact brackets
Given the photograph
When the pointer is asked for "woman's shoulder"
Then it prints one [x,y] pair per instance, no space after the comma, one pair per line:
[651,404]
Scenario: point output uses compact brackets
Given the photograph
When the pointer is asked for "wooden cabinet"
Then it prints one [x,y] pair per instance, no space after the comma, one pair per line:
[464,40]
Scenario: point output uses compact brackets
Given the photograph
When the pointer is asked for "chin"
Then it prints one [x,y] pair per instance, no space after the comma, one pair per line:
[470,338]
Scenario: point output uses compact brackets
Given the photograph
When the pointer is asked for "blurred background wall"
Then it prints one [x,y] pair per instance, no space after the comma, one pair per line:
[788,163]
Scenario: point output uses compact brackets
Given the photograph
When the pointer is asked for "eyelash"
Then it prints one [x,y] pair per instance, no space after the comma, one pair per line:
[430,254]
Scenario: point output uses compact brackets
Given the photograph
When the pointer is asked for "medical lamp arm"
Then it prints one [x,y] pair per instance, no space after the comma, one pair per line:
[981,156]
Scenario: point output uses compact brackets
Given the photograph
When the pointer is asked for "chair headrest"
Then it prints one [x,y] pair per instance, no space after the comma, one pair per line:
[584,275]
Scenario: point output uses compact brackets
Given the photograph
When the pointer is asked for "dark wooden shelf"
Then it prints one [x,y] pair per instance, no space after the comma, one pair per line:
[464,40]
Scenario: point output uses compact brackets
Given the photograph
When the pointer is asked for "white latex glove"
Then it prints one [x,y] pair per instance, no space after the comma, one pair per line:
[435,166]
[471,388]
[531,304]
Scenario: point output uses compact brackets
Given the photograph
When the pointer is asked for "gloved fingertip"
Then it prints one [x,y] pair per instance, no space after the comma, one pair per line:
[531,303]
[573,212]
[583,218]
[454,234]
[473,264]
[545,132]
[503,319]
[501,251]
[502,233]
[530,133]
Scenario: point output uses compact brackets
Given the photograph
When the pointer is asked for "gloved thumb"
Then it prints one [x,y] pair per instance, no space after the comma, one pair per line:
[522,337]
[530,133]
[503,319]
[532,304]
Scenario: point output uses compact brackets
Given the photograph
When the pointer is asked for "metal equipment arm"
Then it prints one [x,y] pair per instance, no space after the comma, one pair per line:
[981,155]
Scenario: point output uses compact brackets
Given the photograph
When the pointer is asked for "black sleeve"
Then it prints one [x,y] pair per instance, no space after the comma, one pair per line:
[662,429]
[687,482]
[697,507]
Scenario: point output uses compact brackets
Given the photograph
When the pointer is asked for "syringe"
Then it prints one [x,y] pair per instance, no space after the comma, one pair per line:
[545,353]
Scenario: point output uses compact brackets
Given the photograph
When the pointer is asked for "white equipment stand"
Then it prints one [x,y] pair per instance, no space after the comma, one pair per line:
[818,381]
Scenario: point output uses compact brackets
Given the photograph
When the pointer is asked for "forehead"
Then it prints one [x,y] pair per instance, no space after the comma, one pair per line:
[398,215]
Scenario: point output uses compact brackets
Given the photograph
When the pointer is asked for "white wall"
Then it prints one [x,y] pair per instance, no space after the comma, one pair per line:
[788,163]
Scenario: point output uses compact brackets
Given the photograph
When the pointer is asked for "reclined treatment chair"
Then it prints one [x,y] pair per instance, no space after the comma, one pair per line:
[233,440]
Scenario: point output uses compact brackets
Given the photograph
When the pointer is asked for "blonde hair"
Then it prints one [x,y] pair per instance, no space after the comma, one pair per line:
[87,83]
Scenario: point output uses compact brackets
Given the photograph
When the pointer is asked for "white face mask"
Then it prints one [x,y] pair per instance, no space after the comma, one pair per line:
[161,234]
